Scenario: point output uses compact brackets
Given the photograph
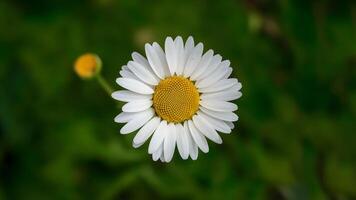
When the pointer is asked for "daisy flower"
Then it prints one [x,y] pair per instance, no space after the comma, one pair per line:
[177,96]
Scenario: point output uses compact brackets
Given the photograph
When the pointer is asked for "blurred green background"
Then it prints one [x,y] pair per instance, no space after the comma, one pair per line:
[296,135]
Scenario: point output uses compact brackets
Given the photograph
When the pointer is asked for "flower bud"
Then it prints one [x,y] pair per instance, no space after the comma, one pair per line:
[87,65]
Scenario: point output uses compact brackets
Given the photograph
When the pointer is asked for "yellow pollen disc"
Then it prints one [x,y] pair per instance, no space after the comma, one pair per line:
[176,99]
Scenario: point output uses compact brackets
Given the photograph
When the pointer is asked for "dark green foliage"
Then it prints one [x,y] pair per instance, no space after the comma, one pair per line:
[296,137]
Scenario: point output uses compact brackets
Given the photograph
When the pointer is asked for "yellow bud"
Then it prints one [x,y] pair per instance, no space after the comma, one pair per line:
[87,65]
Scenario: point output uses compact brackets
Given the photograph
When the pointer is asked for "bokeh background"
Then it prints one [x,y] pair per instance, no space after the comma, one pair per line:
[296,137]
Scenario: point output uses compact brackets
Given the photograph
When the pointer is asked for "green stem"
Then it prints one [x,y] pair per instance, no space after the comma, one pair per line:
[104,84]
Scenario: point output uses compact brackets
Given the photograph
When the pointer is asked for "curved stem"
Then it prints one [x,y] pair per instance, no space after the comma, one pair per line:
[104,84]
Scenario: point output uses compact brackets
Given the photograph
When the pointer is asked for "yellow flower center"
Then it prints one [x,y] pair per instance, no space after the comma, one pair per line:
[176,99]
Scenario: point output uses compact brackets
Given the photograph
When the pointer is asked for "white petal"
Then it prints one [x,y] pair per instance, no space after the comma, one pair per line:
[220,106]
[193,151]
[137,122]
[230,124]
[220,85]
[140,59]
[126,73]
[198,137]
[136,145]
[158,137]
[238,86]
[206,129]
[125,67]
[178,42]
[162,157]
[171,55]
[142,73]
[213,65]
[189,46]
[157,154]
[182,141]
[203,64]
[155,61]
[137,106]
[126,96]
[125,117]
[144,62]
[170,142]
[217,124]
[162,57]
[228,73]
[193,60]
[146,131]
[226,116]
[134,85]
[214,77]
[193,148]
[224,95]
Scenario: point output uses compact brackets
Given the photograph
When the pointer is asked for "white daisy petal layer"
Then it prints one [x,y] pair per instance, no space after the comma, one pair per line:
[188,48]
[158,153]
[182,141]
[193,60]
[224,95]
[226,116]
[142,73]
[203,64]
[170,142]
[144,62]
[171,55]
[146,131]
[126,73]
[136,106]
[220,85]
[162,58]
[162,157]
[206,129]
[137,122]
[154,57]
[218,125]
[228,73]
[126,96]
[220,72]
[158,137]
[126,117]
[136,145]
[134,85]
[140,59]
[178,42]
[193,148]
[198,137]
[220,106]
[215,62]
[230,124]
